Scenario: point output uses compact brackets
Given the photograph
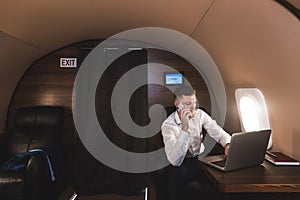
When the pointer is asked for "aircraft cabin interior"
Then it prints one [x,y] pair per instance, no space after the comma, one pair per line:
[85,87]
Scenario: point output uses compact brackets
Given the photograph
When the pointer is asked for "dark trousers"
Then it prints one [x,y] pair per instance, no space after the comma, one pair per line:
[188,181]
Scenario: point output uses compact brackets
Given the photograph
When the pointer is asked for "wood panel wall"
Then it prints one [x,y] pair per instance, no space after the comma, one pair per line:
[162,95]
[45,83]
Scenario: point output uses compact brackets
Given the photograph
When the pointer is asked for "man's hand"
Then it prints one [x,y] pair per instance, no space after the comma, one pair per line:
[226,149]
[185,115]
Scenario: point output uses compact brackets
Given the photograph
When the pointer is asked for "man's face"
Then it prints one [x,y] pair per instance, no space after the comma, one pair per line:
[189,102]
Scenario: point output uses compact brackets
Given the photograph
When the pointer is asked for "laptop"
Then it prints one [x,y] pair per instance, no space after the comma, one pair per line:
[247,149]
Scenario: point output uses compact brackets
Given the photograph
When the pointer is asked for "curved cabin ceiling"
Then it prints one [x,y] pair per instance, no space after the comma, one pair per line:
[295,3]
[31,29]
[255,43]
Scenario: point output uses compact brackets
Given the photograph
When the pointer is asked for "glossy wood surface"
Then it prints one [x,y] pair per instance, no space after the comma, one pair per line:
[266,178]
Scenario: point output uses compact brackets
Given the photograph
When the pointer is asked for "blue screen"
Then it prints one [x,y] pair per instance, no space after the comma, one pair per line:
[173,79]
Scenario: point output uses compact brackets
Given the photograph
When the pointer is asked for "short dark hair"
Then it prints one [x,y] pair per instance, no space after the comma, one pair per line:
[184,90]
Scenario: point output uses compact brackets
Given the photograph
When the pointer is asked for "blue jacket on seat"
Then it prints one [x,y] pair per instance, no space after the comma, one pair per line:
[19,161]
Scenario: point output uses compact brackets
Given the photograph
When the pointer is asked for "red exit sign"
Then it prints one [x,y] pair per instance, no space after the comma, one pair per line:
[68,62]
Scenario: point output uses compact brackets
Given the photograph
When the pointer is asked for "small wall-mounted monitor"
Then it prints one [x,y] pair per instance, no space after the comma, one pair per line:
[173,78]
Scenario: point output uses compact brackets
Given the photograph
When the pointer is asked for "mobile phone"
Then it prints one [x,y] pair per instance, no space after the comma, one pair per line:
[180,106]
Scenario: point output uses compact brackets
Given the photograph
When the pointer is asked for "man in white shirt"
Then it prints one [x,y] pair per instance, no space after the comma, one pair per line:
[182,136]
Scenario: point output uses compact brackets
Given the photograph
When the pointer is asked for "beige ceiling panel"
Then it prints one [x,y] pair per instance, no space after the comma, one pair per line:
[248,38]
[52,24]
[295,3]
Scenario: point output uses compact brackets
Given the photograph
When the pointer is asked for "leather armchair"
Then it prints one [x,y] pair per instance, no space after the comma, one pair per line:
[193,189]
[38,127]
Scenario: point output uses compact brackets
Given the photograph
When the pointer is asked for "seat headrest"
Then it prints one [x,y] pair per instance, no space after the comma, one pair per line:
[39,116]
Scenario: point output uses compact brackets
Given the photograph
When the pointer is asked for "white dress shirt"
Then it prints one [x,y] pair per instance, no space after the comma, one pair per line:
[179,142]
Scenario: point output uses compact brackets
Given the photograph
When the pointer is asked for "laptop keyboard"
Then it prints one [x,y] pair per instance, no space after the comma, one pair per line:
[220,163]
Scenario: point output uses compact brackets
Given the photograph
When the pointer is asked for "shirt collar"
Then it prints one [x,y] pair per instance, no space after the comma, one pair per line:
[177,119]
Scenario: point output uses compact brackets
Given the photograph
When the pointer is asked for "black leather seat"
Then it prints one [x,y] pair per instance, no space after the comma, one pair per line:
[35,128]
[192,190]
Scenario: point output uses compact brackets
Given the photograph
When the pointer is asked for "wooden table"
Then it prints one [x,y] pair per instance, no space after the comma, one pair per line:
[266,181]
